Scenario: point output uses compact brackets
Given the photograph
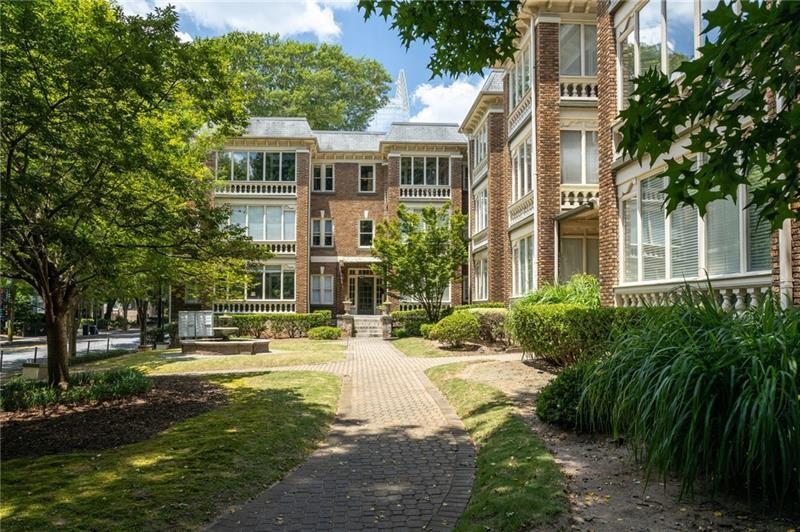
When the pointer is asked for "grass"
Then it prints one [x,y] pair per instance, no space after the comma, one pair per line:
[422,348]
[287,352]
[518,485]
[186,475]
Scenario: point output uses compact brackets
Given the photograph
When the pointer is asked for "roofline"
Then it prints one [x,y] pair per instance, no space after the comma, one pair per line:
[588,206]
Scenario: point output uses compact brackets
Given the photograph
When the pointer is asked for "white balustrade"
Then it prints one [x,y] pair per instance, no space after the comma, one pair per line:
[518,115]
[255,307]
[520,209]
[256,188]
[578,88]
[424,192]
[576,195]
[281,247]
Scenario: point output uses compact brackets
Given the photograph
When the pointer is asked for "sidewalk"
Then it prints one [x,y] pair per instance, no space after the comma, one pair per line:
[30,341]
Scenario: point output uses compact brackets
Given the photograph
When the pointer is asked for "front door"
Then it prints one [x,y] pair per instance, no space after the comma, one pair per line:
[365,303]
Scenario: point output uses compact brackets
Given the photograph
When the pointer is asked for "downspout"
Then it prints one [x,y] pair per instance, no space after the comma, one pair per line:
[534,156]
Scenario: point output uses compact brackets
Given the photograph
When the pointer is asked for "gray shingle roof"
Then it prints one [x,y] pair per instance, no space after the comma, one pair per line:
[424,132]
[348,141]
[494,82]
[260,126]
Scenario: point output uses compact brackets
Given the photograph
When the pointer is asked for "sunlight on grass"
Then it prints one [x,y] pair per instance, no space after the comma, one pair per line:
[184,476]
[288,352]
[422,348]
[518,485]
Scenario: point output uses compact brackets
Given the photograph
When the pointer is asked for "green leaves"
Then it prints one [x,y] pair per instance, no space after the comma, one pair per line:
[725,107]
[467,36]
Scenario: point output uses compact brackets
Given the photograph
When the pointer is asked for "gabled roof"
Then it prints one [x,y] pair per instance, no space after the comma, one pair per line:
[491,94]
[293,128]
[424,132]
[357,141]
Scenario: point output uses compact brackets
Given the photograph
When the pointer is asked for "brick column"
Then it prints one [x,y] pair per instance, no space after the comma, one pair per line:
[608,210]
[302,220]
[499,192]
[548,147]
[791,233]
[456,172]
[393,200]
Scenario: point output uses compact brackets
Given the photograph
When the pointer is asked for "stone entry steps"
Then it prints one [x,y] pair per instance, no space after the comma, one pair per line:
[367,327]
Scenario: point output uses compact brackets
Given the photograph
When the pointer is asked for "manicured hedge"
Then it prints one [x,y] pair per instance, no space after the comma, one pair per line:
[456,329]
[564,334]
[325,332]
[412,320]
[277,325]
[491,325]
[486,304]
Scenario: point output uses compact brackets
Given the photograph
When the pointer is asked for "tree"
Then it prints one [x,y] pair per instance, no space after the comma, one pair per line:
[320,82]
[727,99]
[108,120]
[467,36]
[421,254]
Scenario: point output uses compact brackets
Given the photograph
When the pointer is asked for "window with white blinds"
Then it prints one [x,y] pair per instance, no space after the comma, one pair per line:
[683,242]
[653,229]
[722,237]
[759,255]
[630,247]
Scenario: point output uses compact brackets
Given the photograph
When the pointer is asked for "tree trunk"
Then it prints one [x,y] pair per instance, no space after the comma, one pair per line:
[12,302]
[57,317]
[124,314]
[141,318]
[109,309]
[73,333]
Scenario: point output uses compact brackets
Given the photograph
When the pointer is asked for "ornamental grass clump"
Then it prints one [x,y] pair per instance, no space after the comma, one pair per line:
[581,289]
[707,395]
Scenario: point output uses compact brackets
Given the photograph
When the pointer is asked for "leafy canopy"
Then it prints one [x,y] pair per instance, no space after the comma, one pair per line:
[421,254]
[320,82]
[726,99]
[467,36]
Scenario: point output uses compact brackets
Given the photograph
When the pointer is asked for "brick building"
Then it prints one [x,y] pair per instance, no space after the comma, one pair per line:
[315,197]
[533,157]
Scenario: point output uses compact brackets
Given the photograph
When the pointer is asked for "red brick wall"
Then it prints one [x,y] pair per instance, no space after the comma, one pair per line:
[302,232]
[456,173]
[794,236]
[499,191]
[608,210]
[548,148]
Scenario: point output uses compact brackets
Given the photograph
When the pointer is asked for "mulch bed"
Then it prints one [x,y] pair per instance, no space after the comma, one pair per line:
[99,426]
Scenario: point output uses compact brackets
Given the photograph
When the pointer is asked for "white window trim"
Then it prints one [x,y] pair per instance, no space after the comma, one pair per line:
[322,291]
[283,269]
[283,208]
[582,36]
[263,168]
[424,169]
[520,177]
[359,232]
[322,233]
[481,209]
[374,178]
[583,131]
[323,167]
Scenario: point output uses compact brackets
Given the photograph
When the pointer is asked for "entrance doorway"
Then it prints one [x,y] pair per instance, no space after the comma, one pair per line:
[365,290]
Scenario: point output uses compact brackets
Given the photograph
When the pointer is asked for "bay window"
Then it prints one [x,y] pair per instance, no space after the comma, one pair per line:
[322,289]
[322,232]
[271,282]
[265,222]
[256,166]
[322,178]
[521,170]
[481,210]
[520,76]
[481,279]
[428,171]
[578,49]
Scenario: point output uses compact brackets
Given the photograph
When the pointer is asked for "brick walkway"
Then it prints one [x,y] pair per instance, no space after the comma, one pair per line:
[397,456]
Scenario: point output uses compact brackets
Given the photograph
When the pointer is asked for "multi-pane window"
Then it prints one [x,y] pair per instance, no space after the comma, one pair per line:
[366,232]
[578,49]
[322,232]
[425,171]
[366,178]
[481,209]
[322,289]
[481,143]
[322,178]
[578,255]
[660,35]
[660,247]
[270,282]
[256,166]
[265,222]
[578,157]
[481,279]
[520,76]
[521,170]
[522,266]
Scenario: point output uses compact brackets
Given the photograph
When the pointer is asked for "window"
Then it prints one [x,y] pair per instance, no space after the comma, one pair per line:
[256,166]
[578,157]
[578,255]
[239,216]
[322,289]
[428,171]
[481,279]
[322,180]
[521,170]
[270,282]
[578,49]
[722,237]
[481,143]
[653,229]
[522,266]
[481,210]
[519,81]
[322,232]
[683,242]
[365,233]
[265,223]
[630,246]
[366,178]
[255,222]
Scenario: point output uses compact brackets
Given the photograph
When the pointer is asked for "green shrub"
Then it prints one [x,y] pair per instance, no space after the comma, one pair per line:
[491,325]
[325,332]
[22,394]
[581,289]
[412,320]
[456,329]
[557,403]
[707,394]
[425,329]
[276,325]
[485,304]
[93,356]
[400,332]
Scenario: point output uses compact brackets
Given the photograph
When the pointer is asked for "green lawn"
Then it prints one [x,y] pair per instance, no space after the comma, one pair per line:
[420,347]
[182,477]
[518,485]
[287,352]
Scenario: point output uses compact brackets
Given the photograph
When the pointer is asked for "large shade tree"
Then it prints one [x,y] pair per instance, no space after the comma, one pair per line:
[317,81]
[421,254]
[727,97]
[107,120]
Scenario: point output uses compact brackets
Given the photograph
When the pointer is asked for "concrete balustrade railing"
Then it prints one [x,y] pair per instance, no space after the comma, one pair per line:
[256,188]
[254,307]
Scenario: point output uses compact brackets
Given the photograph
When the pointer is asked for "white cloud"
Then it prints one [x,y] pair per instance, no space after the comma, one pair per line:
[445,103]
[287,17]
[183,36]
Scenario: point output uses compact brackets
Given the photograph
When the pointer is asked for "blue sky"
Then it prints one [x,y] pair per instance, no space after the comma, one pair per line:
[333,21]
